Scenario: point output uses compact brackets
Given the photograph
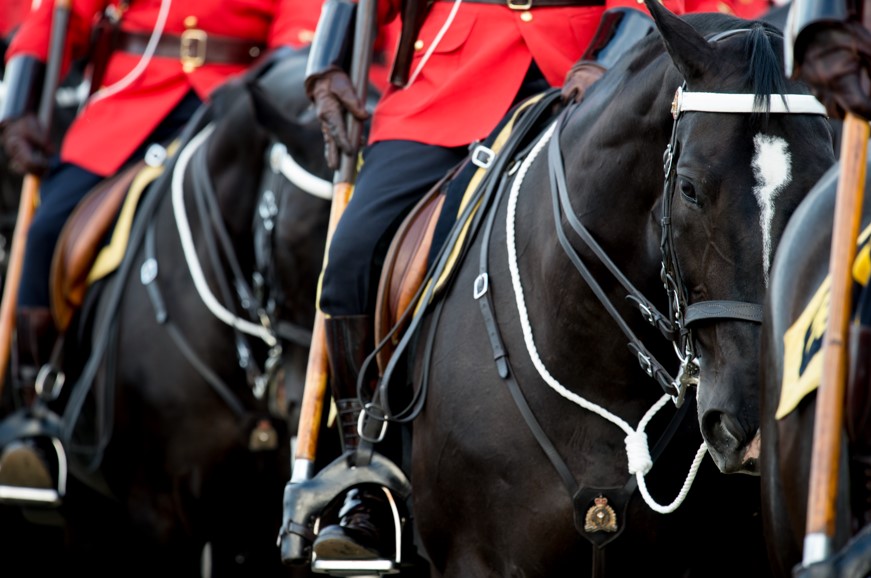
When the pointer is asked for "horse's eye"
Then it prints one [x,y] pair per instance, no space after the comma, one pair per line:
[687,189]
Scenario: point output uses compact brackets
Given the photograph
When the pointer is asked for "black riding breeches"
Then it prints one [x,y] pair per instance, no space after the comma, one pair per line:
[394,177]
[61,190]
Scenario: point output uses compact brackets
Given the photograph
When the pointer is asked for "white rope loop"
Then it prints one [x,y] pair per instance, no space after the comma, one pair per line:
[190,252]
[637,449]
[638,453]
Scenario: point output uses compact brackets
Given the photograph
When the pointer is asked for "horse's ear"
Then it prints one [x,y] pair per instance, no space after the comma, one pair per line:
[691,53]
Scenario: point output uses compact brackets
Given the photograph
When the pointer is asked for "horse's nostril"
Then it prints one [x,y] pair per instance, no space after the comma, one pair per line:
[721,430]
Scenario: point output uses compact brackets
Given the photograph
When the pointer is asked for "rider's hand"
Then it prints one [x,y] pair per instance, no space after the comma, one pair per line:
[579,78]
[836,64]
[333,94]
[26,144]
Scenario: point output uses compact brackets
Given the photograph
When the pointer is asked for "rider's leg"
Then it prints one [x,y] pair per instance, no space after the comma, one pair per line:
[22,463]
[61,190]
[394,176]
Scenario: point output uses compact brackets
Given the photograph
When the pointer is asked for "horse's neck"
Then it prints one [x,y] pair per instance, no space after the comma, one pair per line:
[614,178]
[235,166]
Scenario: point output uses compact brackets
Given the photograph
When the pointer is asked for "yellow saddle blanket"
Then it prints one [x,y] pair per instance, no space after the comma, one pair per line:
[81,257]
[802,342]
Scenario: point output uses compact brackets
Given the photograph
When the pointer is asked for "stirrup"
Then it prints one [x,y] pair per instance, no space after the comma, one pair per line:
[305,499]
[373,567]
[25,495]
[355,567]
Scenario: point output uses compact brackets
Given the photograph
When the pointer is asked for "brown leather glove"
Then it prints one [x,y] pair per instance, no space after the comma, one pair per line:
[836,64]
[333,94]
[26,144]
[579,78]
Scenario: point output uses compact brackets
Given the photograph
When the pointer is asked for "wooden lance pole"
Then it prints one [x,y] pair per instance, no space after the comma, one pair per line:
[30,186]
[829,416]
[317,371]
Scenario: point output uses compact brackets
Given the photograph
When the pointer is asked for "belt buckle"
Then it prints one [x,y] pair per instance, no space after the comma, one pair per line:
[519,5]
[193,49]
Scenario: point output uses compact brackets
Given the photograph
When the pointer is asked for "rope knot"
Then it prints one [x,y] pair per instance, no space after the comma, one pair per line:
[638,453]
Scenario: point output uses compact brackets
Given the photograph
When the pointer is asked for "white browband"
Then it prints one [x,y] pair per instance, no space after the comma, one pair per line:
[685,101]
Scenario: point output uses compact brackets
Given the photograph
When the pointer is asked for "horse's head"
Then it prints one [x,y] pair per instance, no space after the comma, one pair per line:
[742,157]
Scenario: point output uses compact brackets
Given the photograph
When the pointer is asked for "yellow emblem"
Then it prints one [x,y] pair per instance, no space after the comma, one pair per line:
[803,341]
[601,517]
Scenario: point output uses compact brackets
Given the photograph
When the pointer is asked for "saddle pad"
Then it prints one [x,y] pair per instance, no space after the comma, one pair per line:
[502,134]
[802,342]
[406,263]
[80,258]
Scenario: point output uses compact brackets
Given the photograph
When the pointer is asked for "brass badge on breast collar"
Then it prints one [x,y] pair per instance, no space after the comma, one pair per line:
[601,517]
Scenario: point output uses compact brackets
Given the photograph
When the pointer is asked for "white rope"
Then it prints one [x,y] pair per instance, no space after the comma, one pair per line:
[190,252]
[143,62]
[282,162]
[637,448]
[435,42]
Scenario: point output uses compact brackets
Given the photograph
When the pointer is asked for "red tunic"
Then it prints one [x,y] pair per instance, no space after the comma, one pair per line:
[740,8]
[473,74]
[109,129]
[11,15]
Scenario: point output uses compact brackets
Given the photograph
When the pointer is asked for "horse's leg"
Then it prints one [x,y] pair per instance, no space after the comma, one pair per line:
[784,486]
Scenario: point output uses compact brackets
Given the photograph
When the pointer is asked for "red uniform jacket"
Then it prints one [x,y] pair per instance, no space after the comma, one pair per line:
[109,129]
[740,8]
[11,15]
[469,81]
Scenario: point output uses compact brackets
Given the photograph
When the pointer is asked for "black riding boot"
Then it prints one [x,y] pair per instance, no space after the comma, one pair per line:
[365,518]
[22,463]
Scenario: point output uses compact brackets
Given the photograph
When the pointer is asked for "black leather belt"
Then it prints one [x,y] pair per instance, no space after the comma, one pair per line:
[194,48]
[530,4]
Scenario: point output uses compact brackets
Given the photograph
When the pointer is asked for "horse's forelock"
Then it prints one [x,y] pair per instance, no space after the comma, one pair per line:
[765,75]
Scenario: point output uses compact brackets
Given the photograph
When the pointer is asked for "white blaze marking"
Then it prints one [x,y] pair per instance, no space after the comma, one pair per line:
[772,166]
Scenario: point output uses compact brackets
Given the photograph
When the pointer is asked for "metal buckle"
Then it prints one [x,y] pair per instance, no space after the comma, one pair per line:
[482,156]
[519,5]
[645,363]
[42,380]
[482,283]
[193,49]
[361,421]
[677,102]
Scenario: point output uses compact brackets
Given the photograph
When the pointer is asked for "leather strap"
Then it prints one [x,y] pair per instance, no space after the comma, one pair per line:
[194,47]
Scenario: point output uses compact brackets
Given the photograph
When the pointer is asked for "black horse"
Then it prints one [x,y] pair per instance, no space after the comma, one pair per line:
[566,263]
[794,330]
[183,367]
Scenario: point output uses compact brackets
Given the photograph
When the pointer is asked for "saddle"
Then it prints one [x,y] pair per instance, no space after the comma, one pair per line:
[403,273]
[82,255]
[407,264]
